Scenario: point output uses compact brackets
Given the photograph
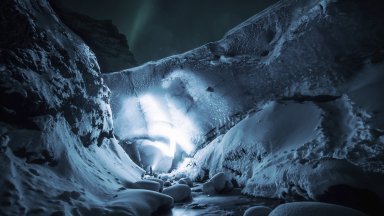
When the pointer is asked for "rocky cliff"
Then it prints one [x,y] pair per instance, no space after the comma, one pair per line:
[102,36]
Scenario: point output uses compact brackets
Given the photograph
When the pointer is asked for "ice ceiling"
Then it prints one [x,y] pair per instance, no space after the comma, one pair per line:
[166,117]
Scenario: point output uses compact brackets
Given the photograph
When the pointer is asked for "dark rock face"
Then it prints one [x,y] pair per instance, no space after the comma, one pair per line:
[110,47]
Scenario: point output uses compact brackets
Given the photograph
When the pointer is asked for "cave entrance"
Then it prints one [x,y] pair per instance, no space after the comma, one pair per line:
[162,119]
[157,133]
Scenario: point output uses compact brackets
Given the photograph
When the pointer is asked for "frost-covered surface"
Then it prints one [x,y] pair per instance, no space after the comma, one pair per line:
[306,76]
[301,49]
[296,149]
[58,153]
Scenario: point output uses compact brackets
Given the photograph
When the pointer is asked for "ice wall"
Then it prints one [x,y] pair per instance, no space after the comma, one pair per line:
[292,48]
[58,153]
[296,59]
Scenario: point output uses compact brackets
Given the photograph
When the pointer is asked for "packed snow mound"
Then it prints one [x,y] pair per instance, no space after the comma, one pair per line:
[186,181]
[220,182]
[179,192]
[161,182]
[314,209]
[147,185]
[257,211]
[58,154]
[138,202]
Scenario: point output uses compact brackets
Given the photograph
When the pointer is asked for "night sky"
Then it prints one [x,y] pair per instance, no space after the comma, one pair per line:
[160,28]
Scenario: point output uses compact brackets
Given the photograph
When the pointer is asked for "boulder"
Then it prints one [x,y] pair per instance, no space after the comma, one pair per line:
[217,184]
[147,184]
[257,211]
[178,192]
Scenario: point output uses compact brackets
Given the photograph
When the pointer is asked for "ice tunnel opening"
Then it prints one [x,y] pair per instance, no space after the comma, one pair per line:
[156,130]
[167,120]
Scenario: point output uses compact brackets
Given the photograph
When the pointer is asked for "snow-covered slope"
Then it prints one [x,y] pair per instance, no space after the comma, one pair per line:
[307,75]
[58,154]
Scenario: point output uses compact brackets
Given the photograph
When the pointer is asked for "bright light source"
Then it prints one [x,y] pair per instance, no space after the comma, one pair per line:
[171,115]
[166,120]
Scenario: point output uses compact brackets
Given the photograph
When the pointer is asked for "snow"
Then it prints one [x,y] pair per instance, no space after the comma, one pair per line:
[179,192]
[161,182]
[288,104]
[314,209]
[156,124]
[288,148]
[167,183]
[186,181]
[139,202]
[257,211]
[291,49]
[147,185]
[218,183]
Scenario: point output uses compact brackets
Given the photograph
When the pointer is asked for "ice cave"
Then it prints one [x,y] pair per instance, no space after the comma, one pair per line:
[280,115]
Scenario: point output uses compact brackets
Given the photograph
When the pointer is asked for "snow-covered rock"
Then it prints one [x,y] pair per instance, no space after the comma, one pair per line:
[167,183]
[186,181]
[257,211]
[178,192]
[147,185]
[313,209]
[218,183]
[161,182]
[137,202]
